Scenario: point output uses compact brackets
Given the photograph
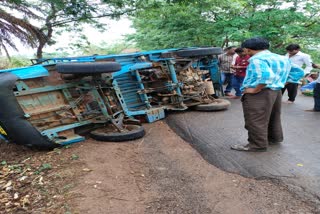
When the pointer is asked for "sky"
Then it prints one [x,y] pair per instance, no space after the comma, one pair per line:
[114,33]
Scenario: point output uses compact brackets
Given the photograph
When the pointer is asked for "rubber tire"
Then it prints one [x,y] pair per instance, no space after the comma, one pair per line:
[88,67]
[19,130]
[136,133]
[199,52]
[221,104]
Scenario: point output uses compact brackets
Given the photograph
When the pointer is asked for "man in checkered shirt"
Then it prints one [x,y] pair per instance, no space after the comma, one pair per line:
[267,73]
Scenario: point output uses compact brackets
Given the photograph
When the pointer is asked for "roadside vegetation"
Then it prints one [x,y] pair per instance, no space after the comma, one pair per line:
[224,23]
[15,61]
[161,24]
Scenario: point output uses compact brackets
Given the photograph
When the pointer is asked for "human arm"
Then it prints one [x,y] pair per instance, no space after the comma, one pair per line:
[239,66]
[255,90]
[234,58]
[233,62]
[219,60]
[308,62]
[258,76]
[295,74]
[241,62]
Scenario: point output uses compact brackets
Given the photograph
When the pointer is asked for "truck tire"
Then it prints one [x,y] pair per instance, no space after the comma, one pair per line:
[18,129]
[199,52]
[111,135]
[217,105]
[88,67]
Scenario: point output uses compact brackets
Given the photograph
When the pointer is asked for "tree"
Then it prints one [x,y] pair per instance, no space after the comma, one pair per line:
[221,23]
[164,23]
[12,26]
[35,22]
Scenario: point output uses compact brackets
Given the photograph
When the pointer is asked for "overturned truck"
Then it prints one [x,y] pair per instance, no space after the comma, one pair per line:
[59,101]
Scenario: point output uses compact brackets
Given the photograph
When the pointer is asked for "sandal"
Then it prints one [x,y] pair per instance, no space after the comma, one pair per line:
[247,148]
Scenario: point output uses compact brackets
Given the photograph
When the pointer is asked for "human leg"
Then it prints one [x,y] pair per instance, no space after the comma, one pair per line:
[257,110]
[236,84]
[316,96]
[275,134]
[229,78]
[223,78]
[292,91]
[316,104]
[283,89]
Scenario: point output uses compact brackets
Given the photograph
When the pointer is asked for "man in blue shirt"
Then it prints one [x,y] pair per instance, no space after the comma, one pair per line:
[266,75]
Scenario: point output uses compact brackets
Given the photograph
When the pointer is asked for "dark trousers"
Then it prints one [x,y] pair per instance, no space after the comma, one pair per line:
[262,117]
[292,89]
[316,96]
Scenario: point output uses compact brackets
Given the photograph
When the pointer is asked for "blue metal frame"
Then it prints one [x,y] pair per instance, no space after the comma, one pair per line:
[28,72]
[126,83]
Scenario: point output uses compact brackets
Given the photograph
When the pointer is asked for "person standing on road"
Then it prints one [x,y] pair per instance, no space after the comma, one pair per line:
[316,93]
[300,59]
[225,61]
[266,75]
[240,66]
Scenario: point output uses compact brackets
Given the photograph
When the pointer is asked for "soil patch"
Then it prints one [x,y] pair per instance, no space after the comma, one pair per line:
[157,174]
[161,173]
[36,182]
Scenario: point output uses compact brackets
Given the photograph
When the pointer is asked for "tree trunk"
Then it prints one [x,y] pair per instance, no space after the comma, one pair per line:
[44,40]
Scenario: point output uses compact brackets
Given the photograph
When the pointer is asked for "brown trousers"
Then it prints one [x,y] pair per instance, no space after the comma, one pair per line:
[262,117]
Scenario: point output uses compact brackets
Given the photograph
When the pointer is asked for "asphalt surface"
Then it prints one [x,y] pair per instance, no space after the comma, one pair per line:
[296,162]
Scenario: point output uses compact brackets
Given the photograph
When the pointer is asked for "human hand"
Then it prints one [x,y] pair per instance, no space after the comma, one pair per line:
[251,90]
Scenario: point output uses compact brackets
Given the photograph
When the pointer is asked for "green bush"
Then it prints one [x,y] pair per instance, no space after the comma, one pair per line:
[15,61]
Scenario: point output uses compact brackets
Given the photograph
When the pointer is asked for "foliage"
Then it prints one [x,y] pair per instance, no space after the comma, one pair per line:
[315,55]
[88,49]
[84,47]
[12,26]
[156,29]
[35,22]
[16,61]
[105,49]
[221,23]
[162,23]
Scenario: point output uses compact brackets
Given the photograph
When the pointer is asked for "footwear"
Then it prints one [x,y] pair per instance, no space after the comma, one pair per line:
[273,143]
[234,97]
[288,102]
[228,94]
[247,148]
[311,110]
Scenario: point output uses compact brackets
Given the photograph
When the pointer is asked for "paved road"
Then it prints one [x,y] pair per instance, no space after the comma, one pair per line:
[296,162]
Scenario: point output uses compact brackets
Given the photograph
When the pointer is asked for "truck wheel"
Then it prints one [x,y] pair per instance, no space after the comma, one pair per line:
[88,67]
[13,122]
[199,52]
[111,134]
[216,105]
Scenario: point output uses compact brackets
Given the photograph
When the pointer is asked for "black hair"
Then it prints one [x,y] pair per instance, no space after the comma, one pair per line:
[293,47]
[239,50]
[256,43]
[229,48]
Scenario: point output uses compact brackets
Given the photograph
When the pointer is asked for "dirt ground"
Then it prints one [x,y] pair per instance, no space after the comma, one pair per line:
[157,174]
